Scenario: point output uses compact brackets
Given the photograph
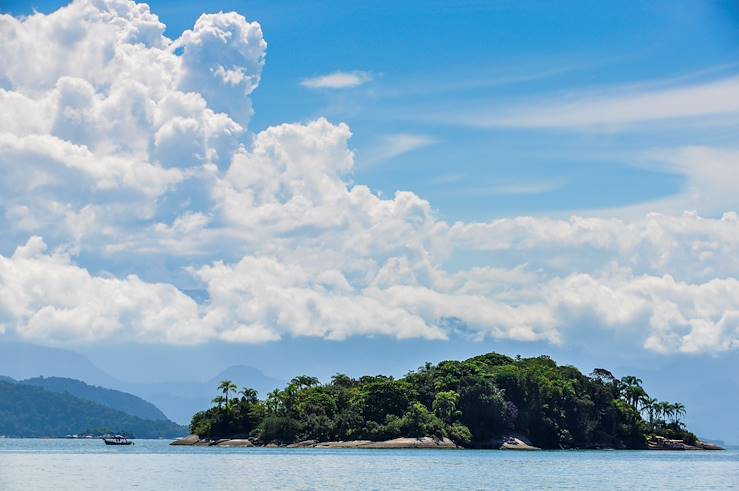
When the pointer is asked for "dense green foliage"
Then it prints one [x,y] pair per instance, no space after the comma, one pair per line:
[121,401]
[29,411]
[474,402]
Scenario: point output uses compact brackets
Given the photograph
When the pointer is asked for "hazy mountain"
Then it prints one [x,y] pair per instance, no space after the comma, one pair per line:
[23,360]
[30,411]
[246,376]
[177,400]
[180,400]
[121,401]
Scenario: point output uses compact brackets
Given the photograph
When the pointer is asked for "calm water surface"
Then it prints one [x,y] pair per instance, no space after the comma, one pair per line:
[153,464]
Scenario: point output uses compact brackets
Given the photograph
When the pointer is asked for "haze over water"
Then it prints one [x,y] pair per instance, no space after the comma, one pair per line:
[153,464]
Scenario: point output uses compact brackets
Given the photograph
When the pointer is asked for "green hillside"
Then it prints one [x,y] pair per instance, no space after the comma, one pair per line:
[29,411]
[121,401]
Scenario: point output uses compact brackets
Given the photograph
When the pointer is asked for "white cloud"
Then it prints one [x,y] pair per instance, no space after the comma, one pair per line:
[395,145]
[222,60]
[118,143]
[105,115]
[710,176]
[616,109]
[688,246]
[678,317]
[47,298]
[337,80]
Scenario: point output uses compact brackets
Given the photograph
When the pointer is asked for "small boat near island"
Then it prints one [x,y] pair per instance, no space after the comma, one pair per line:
[117,440]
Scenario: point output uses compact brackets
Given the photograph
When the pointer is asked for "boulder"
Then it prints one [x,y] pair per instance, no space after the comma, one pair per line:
[422,442]
[188,440]
[513,443]
[710,446]
[213,443]
[235,443]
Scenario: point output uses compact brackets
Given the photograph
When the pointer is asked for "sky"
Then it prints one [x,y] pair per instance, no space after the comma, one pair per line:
[375,184]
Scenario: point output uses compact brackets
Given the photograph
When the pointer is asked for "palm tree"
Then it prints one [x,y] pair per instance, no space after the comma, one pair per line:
[227,387]
[665,409]
[305,381]
[649,404]
[219,400]
[633,391]
[631,380]
[274,401]
[249,395]
[342,380]
[678,409]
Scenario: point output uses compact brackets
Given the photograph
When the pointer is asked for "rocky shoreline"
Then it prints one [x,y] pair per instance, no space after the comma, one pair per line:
[427,442]
[423,442]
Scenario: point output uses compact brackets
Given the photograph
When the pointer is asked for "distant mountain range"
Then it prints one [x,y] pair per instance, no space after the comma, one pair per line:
[32,411]
[177,400]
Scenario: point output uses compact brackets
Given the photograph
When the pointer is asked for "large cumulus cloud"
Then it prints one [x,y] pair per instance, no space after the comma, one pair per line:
[99,107]
[118,142]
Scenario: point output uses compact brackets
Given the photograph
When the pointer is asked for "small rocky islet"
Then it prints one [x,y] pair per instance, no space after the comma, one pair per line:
[491,401]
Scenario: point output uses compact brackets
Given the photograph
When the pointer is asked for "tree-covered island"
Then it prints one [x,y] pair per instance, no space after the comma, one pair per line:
[477,403]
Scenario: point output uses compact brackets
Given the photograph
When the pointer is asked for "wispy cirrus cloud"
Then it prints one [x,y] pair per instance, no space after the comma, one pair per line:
[395,145]
[337,80]
[614,108]
[400,143]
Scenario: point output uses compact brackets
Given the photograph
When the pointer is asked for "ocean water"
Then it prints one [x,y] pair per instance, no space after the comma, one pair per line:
[152,464]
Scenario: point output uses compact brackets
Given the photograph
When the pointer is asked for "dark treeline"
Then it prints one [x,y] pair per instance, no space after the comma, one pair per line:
[473,402]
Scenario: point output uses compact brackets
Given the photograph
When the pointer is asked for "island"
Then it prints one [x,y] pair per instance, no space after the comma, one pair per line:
[488,401]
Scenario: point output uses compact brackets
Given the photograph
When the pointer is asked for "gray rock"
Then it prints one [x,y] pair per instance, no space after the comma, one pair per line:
[423,442]
[512,443]
[235,443]
[188,440]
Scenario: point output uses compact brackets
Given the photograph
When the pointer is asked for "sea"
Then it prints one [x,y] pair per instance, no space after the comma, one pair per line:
[38,464]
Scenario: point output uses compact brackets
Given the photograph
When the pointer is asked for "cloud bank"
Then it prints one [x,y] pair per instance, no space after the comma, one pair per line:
[117,142]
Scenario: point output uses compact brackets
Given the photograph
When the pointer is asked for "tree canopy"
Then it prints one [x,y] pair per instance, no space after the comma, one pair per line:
[474,402]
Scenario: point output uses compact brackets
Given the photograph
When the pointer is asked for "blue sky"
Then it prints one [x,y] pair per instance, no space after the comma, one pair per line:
[418,180]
